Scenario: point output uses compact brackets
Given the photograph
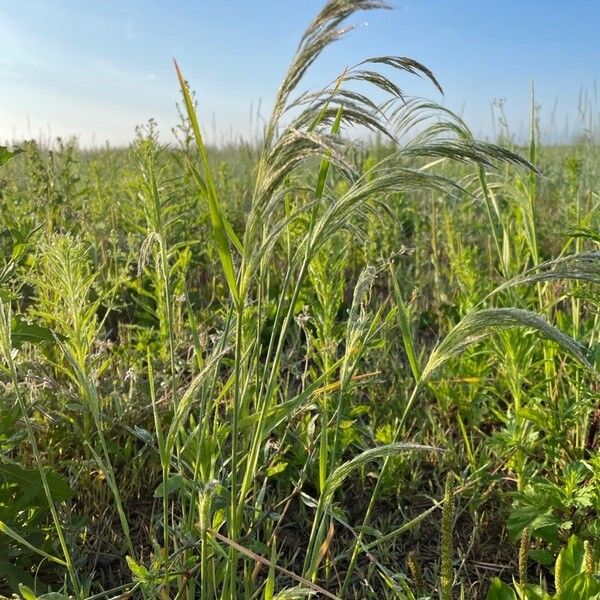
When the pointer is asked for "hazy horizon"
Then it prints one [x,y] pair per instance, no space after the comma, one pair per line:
[95,71]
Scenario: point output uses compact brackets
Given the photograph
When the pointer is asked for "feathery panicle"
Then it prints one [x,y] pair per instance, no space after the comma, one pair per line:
[481,324]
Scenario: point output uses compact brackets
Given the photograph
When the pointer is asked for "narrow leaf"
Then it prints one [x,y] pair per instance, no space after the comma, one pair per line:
[4,528]
[216,214]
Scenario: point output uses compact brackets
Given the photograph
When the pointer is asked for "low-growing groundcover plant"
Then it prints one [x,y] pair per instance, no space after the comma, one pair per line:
[302,368]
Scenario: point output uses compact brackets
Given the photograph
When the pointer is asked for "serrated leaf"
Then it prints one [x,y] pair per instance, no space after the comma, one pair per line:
[139,571]
[519,519]
[546,527]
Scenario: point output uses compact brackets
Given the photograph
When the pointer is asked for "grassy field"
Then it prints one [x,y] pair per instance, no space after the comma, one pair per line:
[304,367]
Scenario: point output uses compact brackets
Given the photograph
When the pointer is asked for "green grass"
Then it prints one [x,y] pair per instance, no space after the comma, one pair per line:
[304,367]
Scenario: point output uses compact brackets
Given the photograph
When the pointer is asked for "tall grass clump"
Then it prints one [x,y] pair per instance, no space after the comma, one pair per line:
[291,221]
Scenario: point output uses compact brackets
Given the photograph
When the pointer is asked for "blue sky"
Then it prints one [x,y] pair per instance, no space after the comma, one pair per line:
[95,69]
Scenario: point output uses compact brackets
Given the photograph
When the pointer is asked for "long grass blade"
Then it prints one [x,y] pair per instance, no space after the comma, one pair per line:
[216,213]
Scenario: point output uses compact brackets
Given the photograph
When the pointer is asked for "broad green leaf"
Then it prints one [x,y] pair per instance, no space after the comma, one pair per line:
[519,519]
[500,591]
[535,592]
[579,587]
[571,560]
[28,594]
[30,332]
[29,481]
[139,571]
[542,556]
[547,527]
[6,154]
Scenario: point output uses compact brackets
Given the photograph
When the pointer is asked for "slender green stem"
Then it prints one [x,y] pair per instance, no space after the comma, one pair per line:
[374,495]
